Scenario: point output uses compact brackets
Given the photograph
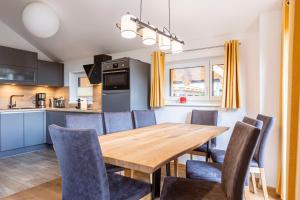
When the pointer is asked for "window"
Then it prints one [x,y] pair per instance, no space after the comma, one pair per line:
[85,89]
[188,81]
[200,81]
[217,80]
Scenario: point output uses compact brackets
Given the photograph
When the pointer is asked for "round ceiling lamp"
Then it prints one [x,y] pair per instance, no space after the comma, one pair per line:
[40,20]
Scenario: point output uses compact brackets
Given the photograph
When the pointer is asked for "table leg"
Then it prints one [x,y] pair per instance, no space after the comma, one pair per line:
[168,169]
[156,178]
[207,151]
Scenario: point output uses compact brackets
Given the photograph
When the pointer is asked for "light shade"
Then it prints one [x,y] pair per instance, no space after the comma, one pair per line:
[149,36]
[128,27]
[177,47]
[40,20]
[164,42]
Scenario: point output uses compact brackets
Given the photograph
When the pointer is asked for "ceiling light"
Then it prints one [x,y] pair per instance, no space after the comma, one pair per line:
[40,20]
[149,36]
[131,26]
[177,47]
[164,42]
[128,27]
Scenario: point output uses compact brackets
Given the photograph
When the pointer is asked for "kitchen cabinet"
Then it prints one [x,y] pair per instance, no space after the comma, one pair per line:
[57,118]
[12,130]
[34,128]
[18,58]
[50,73]
[18,66]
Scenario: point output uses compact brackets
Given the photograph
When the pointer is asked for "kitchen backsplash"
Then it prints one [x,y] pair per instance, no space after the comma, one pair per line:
[29,94]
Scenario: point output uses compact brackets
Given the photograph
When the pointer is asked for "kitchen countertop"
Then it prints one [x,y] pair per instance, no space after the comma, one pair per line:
[49,109]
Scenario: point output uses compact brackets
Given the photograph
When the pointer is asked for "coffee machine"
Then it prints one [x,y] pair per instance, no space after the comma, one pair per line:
[40,100]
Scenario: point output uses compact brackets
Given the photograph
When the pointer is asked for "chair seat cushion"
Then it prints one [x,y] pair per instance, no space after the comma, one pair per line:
[113,168]
[202,148]
[253,163]
[204,171]
[175,188]
[218,155]
[125,188]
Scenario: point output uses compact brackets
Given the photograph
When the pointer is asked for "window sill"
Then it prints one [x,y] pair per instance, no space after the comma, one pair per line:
[190,103]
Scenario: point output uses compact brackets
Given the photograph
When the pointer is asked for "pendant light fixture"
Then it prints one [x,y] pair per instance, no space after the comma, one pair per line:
[128,27]
[131,26]
[149,36]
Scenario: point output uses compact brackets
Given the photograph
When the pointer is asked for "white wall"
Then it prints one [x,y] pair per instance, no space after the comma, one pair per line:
[260,50]
[10,38]
[269,45]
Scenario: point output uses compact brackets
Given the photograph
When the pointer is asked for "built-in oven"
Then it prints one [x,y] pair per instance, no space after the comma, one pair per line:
[116,75]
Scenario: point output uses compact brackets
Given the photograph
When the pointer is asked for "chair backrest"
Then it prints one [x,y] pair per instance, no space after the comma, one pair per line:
[253,122]
[81,163]
[117,121]
[143,118]
[237,159]
[206,117]
[265,132]
[86,121]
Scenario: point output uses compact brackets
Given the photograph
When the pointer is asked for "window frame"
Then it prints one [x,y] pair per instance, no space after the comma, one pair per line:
[206,101]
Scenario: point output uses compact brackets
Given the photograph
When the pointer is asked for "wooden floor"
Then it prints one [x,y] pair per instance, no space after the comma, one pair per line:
[35,176]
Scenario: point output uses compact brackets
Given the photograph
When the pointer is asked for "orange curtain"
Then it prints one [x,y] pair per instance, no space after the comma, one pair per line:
[157,80]
[231,87]
[288,182]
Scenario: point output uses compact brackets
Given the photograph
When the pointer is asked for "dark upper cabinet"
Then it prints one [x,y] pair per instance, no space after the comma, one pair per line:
[50,73]
[18,58]
[18,66]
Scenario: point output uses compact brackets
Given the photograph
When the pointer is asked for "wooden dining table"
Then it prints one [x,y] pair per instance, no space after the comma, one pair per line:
[148,149]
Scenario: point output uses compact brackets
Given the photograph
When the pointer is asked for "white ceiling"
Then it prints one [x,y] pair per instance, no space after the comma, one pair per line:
[88,26]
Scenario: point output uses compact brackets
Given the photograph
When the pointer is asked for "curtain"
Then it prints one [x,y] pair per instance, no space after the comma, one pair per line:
[231,87]
[288,183]
[157,80]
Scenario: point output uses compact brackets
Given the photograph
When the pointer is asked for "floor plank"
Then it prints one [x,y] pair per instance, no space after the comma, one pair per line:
[35,176]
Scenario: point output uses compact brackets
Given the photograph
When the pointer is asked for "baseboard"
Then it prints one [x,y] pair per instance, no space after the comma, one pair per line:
[22,150]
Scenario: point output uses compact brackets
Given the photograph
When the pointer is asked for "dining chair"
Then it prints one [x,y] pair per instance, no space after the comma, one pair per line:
[257,163]
[117,121]
[83,171]
[204,117]
[90,121]
[211,171]
[143,118]
[234,171]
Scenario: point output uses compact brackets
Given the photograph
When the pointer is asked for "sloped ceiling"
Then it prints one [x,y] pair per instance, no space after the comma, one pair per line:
[88,26]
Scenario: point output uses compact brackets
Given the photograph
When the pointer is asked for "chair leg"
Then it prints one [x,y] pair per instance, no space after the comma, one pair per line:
[191,156]
[247,192]
[150,179]
[176,167]
[131,173]
[253,183]
[263,182]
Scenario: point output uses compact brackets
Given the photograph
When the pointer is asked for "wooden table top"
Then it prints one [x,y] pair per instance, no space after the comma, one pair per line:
[147,149]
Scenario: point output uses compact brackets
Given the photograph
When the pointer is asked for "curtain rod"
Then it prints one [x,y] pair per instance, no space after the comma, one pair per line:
[202,48]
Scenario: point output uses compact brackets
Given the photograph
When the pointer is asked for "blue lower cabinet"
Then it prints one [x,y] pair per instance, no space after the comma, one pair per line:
[12,131]
[34,128]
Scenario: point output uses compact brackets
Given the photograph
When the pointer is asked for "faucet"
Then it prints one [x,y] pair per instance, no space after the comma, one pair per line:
[11,104]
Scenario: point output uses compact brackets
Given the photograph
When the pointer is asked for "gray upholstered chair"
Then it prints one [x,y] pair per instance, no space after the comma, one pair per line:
[213,171]
[83,171]
[90,121]
[143,118]
[117,121]
[237,159]
[86,121]
[257,163]
[205,117]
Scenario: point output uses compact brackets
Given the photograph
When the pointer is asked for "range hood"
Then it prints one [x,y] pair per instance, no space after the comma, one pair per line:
[94,71]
